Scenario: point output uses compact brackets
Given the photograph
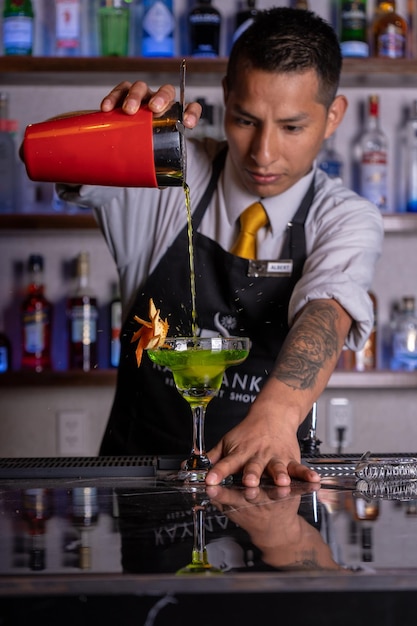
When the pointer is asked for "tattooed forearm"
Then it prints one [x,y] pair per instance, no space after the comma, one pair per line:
[311,342]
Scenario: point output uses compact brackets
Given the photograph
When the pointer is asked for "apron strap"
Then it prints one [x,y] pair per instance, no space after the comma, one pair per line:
[294,246]
[218,165]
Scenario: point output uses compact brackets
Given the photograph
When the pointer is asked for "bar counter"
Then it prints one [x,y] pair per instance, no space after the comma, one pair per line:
[81,545]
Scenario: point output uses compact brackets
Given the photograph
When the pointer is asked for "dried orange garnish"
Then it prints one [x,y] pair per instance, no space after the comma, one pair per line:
[152,334]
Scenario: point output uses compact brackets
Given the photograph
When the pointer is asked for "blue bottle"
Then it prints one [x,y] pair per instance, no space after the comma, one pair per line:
[158,26]
[411,161]
[329,160]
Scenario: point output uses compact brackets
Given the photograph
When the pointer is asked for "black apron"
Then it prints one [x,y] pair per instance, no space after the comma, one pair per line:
[148,415]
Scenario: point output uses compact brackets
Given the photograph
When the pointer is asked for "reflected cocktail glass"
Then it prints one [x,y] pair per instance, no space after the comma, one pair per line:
[199,563]
[198,365]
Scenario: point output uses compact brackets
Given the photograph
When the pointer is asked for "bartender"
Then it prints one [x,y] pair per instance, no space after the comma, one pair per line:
[281,102]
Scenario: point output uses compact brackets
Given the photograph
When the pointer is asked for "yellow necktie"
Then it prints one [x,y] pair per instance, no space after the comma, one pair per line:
[251,220]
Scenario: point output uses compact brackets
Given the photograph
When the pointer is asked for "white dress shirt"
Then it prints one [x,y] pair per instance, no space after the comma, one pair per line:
[344,232]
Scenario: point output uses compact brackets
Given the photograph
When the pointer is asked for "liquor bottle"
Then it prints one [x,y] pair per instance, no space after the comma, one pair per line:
[158,27]
[301,4]
[374,159]
[67,28]
[404,337]
[36,319]
[365,360]
[36,511]
[366,512]
[82,315]
[114,24]
[5,353]
[346,360]
[389,32]
[204,23]
[410,165]
[18,19]
[329,160]
[8,158]
[353,29]
[84,518]
[115,326]
[244,18]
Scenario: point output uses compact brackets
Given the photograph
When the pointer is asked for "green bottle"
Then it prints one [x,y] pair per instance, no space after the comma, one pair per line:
[18,18]
[353,29]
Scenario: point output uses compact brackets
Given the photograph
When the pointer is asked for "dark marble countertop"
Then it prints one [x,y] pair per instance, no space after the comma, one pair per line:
[127,535]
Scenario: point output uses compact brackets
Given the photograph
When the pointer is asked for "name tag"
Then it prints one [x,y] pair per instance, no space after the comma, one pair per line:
[273,269]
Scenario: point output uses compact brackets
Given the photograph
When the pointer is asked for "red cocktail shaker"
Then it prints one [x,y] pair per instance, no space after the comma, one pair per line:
[112,149]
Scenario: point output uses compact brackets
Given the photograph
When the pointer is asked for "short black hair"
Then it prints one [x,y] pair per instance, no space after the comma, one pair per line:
[285,40]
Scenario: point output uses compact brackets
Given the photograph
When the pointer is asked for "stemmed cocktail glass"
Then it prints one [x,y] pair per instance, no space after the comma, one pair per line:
[198,365]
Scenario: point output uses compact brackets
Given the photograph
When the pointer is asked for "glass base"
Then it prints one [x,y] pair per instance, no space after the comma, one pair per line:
[189,476]
[195,476]
[205,570]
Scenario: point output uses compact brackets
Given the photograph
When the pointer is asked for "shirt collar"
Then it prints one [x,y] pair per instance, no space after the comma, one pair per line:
[280,208]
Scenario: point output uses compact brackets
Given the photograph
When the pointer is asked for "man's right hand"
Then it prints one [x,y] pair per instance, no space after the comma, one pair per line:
[130,96]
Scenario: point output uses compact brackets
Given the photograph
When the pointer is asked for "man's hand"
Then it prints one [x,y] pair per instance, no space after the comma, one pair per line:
[266,439]
[130,96]
[270,517]
[260,445]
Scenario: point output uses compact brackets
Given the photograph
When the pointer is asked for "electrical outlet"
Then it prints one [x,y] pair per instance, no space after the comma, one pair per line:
[72,433]
[339,415]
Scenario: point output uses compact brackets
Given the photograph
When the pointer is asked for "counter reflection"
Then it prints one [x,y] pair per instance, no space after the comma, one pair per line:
[150,527]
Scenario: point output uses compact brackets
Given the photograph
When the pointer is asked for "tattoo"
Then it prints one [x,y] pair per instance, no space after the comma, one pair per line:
[313,340]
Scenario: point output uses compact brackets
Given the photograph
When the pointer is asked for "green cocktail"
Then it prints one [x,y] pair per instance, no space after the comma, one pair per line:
[197,365]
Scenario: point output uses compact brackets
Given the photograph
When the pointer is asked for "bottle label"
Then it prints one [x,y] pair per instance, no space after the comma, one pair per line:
[34,325]
[85,503]
[36,504]
[200,19]
[17,34]
[353,20]
[84,324]
[354,49]
[411,172]
[374,184]
[392,45]
[158,27]
[332,168]
[365,359]
[116,323]
[404,350]
[68,23]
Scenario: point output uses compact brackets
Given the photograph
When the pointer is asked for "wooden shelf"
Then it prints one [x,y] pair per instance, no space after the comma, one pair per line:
[102,70]
[95,378]
[403,223]
[380,379]
[47,221]
[43,65]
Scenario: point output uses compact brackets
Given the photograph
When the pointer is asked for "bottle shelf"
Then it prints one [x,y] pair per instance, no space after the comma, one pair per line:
[102,70]
[95,378]
[47,221]
[405,223]
[378,379]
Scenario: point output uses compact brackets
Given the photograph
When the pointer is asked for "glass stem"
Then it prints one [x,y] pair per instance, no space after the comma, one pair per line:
[199,556]
[198,458]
